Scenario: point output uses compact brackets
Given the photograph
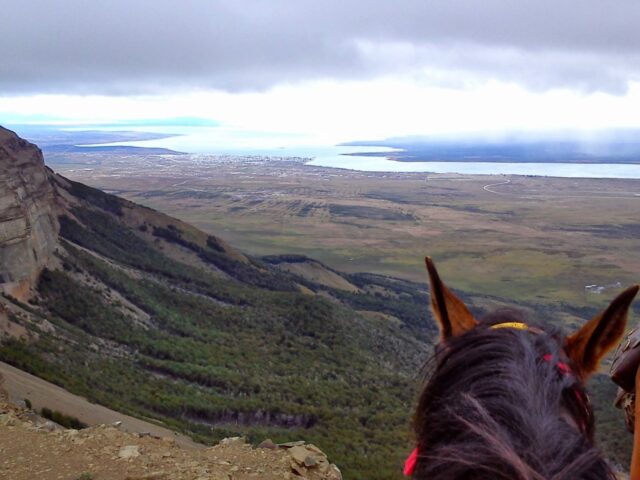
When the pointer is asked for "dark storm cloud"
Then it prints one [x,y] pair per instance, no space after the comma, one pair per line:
[135,46]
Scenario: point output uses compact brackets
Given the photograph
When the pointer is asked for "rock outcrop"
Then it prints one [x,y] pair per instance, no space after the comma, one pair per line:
[33,447]
[28,223]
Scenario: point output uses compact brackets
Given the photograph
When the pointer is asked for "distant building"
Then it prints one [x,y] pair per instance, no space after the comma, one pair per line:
[594,289]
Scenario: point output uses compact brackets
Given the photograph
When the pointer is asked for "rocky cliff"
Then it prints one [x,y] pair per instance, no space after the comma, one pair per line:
[28,224]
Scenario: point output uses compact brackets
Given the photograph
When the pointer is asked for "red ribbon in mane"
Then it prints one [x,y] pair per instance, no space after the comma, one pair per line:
[410,463]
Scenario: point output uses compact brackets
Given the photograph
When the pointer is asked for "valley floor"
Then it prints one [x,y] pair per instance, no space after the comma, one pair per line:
[529,239]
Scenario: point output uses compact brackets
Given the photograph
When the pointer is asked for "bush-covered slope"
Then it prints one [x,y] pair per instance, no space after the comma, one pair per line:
[158,320]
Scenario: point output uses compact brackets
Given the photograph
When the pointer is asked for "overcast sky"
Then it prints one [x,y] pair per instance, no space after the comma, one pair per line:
[367,68]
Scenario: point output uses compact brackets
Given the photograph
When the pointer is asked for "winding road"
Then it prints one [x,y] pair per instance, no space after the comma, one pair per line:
[488,189]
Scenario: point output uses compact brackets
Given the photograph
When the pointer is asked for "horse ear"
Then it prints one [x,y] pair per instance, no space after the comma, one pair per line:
[451,313]
[590,344]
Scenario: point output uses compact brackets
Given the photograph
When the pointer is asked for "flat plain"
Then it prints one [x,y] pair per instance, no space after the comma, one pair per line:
[551,242]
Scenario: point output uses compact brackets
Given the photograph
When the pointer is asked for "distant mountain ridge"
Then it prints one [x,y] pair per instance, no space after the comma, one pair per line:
[616,146]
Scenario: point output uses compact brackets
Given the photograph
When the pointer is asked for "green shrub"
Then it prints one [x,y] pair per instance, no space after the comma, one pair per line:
[66,421]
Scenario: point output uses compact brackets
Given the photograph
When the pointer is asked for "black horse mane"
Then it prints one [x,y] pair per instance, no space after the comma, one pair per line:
[493,408]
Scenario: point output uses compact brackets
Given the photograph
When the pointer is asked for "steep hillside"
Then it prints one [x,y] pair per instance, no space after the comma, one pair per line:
[17,385]
[149,316]
[312,271]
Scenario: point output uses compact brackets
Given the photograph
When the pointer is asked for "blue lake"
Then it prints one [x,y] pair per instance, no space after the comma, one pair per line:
[228,141]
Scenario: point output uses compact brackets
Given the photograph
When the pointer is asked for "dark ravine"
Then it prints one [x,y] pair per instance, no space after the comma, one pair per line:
[254,419]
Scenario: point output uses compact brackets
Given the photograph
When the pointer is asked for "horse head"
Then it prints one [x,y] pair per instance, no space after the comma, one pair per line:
[506,398]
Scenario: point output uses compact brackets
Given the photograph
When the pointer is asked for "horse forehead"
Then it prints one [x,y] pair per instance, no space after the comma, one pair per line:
[545,336]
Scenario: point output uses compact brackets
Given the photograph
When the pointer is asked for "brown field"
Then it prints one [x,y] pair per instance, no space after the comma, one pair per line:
[529,239]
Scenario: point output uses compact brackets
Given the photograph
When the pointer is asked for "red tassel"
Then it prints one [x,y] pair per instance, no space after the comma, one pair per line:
[410,463]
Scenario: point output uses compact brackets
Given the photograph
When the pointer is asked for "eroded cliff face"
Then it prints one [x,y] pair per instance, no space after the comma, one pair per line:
[28,223]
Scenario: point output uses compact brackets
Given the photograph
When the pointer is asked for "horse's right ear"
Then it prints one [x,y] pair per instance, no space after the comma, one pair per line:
[590,344]
[451,313]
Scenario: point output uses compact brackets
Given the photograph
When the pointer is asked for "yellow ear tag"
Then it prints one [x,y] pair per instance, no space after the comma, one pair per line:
[516,325]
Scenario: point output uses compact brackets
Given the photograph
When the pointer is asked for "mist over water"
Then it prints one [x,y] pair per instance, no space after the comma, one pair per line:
[229,141]
[572,170]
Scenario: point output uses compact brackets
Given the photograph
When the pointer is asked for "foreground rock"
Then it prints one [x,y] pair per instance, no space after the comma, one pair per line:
[33,448]
[309,459]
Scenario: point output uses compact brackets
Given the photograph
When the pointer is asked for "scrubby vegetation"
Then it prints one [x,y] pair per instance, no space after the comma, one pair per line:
[85,476]
[611,434]
[252,273]
[98,198]
[66,421]
[217,357]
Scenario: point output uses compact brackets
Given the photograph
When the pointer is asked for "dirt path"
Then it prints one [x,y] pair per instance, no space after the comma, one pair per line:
[20,385]
[488,189]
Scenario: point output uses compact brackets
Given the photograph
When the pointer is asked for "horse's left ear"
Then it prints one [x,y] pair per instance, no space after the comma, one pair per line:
[450,312]
[603,332]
